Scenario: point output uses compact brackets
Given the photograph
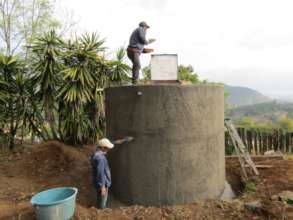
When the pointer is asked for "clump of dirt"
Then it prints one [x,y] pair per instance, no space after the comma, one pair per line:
[52,164]
[48,159]
[206,210]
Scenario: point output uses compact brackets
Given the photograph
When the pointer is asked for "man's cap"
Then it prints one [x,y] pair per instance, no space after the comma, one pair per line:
[143,24]
[105,143]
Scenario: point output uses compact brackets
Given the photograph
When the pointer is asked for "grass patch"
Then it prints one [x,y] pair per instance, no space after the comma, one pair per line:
[250,186]
[288,156]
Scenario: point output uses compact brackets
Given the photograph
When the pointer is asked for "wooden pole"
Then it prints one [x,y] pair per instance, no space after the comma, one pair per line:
[254,141]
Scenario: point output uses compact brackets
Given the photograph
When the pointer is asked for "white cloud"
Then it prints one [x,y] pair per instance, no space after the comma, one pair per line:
[148,4]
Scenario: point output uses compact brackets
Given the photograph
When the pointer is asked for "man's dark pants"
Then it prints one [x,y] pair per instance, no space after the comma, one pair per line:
[134,57]
[101,199]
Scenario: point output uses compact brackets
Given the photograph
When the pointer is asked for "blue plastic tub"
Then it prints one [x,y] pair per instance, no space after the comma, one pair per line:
[55,204]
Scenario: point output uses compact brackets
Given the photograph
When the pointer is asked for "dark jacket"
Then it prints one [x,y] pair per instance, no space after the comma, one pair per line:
[138,39]
[101,170]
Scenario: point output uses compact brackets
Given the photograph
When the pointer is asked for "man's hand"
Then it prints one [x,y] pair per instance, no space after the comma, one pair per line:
[119,141]
[104,191]
[151,41]
[125,139]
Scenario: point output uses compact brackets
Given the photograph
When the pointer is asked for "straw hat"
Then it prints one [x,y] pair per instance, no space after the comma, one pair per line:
[105,143]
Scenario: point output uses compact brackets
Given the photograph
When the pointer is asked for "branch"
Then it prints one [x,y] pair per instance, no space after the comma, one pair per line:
[1,35]
[17,45]
[12,8]
[1,5]
[66,28]
[5,28]
[32,19]
[3,16]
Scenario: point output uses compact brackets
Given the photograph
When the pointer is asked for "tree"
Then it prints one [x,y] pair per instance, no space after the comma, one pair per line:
[247,122]
[47,77]
[82,76]
[60,94]
[146,72]
[286,124]
[185,73]
[11,92]
[21,21]
[119,69]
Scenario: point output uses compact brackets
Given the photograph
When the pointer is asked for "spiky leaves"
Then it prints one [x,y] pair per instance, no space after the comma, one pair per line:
[83,74]
[63,87]
[119,70]
[11,91]
[47,67]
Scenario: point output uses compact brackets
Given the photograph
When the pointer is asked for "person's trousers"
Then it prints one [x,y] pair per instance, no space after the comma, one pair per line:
[101,199]
[134,57]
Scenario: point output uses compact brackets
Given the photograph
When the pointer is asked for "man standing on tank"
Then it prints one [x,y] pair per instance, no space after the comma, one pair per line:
[136,45]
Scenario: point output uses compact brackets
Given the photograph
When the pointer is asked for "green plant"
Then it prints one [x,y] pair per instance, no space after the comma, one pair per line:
[187,73]
[46,79]
[250,186]
[12,91]
[82,75]
[60,94]
[230,150]
[119,70]
[146,71]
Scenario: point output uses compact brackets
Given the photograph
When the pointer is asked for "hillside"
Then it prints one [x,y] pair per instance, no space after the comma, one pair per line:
[242,96]
[269,111]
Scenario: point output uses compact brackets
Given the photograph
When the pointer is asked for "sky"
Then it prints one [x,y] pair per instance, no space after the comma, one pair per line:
[238,42]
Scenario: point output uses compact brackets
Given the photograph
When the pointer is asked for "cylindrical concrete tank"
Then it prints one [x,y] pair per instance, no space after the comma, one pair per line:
[177,155]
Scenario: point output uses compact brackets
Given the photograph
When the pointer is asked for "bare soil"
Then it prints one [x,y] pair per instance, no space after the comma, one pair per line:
[35,168]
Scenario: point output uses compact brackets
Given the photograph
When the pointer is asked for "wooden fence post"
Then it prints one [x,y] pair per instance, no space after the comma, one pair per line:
[287,145]
[291,143]
[258,142]
[275,140]
[270,147]
[254,141]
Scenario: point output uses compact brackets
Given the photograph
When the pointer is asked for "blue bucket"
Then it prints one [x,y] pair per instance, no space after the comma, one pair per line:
[55,204]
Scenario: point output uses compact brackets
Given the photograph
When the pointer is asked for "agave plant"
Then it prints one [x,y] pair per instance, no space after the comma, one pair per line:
[62,88]
[120,70]
[95,108]
[3,95]
[46,73]
[11,101]
[80,82]
[3,101]
[80,75]
[109,72]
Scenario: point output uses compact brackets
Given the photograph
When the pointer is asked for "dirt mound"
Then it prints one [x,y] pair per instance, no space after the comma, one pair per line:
[47,159]
[276,178]
[52,164]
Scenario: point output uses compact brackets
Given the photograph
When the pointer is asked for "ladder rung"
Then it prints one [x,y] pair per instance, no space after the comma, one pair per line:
[240,148]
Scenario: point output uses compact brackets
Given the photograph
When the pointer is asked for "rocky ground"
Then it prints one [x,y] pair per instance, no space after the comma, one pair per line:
[29,170]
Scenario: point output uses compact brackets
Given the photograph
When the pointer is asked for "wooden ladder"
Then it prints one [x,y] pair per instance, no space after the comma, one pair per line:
[241,151]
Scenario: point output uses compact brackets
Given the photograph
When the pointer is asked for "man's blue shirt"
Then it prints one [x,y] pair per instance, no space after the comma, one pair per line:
[100,169]
[138,39]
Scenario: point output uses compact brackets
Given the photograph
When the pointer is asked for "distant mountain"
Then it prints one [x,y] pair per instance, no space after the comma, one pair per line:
[269,111]
[241,96]
[285,99]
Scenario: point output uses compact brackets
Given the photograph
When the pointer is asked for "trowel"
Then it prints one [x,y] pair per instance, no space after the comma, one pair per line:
[128,139]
